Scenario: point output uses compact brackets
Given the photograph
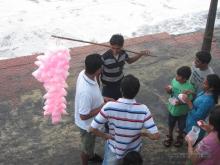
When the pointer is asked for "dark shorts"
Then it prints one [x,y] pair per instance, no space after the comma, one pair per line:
[181,121]
[87,142]
[112,91]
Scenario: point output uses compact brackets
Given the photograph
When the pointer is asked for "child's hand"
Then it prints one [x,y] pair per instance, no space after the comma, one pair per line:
[168,89]
[178,102]
[108,136]
[185,99]
[188,92]
[107,99]
[182,97]
[202,124]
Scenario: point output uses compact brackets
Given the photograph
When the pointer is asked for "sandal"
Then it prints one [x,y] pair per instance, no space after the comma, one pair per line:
[168,141]
[179,141]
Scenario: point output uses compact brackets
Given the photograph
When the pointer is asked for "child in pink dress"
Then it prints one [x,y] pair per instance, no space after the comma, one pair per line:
[207,151]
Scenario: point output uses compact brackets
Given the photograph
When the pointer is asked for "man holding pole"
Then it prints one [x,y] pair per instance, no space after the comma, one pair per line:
[113,64]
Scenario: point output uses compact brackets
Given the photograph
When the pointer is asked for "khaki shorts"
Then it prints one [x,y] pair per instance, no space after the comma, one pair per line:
[87,142]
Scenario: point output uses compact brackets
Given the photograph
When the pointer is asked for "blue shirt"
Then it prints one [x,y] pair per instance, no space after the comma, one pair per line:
[202,105]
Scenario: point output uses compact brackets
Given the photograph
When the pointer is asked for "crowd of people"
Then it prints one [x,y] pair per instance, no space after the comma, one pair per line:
[105,106]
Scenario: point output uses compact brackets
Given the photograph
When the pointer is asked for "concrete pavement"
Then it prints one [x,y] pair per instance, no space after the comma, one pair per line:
[26,137]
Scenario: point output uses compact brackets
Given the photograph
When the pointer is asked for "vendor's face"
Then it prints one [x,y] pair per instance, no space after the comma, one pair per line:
[116,49]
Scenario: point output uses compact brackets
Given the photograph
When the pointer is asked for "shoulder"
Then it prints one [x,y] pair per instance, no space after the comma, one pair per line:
[190,85]
[110,103]
[81,74]
[110,107]
[210,70]
[124,53]
[80,79]
[206,100]
[144,108]
[107,54]
[174,82]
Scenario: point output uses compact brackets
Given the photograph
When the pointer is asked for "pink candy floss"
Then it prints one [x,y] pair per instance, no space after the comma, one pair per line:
[53,72]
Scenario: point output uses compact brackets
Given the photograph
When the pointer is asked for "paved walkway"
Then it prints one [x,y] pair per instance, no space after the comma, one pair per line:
[28,138]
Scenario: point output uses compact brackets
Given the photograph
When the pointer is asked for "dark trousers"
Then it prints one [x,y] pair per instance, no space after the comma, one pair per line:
[112,91]
[181,121]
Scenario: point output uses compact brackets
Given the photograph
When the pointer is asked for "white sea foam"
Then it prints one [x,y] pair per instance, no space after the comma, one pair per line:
[26,25]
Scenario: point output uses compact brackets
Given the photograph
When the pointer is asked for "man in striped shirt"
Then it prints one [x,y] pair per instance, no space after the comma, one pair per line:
[126,119]
[112,68]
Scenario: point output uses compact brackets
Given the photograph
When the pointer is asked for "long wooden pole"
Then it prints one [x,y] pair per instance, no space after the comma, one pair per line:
[88,42]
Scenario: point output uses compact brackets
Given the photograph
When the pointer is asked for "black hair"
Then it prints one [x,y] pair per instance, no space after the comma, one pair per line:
[214,120]
[184,72]
[130,86]
[132,158]
[117,39]
[93,62]
[214,82]
[204,56]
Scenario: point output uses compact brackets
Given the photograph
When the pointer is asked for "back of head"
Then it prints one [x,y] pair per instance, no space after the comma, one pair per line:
[130,86]
[117,39]
[204,57]
[214,120]
[214,83]
[184,72]
[93,62]
[132,158]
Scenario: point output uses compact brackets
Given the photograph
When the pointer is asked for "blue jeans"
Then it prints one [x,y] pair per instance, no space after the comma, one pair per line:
[110,157]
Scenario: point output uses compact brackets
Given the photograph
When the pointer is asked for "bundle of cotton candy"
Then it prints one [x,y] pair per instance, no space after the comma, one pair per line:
[52,72]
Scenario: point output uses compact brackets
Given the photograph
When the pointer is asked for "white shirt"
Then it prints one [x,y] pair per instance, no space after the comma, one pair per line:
[198,76]
[88,96]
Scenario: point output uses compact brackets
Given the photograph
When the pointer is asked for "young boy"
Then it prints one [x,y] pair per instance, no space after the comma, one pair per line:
[177,109]
[113,64]
[126,119]
[200,69]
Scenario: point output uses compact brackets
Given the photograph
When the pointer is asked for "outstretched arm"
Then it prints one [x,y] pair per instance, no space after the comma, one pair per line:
[137,56]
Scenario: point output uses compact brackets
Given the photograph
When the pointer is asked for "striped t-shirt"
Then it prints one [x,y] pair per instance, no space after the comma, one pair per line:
[112,68]
[198,76]
[125,118]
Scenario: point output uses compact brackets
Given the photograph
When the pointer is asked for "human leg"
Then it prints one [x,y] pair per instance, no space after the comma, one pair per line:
[171,124]
[181,125]
[109,157]
[87,147]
